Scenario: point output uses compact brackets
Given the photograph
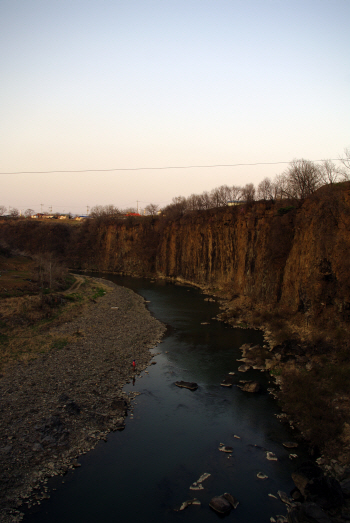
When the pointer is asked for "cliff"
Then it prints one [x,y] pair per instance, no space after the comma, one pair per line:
[292,258]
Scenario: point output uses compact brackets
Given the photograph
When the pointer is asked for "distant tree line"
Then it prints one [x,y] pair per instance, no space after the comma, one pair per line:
[299,181]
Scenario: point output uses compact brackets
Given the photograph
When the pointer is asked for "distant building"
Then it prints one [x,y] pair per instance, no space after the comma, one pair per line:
[231,203]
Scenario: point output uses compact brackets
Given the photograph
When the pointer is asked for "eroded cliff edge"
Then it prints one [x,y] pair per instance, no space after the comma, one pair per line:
[283,256]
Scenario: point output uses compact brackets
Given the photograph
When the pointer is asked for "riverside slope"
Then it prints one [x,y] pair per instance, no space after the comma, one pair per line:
[60,405]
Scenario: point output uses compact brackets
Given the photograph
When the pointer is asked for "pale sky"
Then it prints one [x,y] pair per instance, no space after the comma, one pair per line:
[104,84]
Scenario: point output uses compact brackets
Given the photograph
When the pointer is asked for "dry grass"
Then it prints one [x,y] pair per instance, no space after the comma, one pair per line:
[28,321]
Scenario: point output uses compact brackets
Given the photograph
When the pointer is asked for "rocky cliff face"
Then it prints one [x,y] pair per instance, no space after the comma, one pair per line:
[294,258]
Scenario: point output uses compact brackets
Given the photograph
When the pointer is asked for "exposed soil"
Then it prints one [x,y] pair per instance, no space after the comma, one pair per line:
[59,405]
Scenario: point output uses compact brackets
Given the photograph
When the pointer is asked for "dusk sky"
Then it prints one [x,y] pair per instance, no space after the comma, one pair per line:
[111,84]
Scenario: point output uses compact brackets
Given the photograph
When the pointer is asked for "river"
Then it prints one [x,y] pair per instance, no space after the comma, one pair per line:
[173,434]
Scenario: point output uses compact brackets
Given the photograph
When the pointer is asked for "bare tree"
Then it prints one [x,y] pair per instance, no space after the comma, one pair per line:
[28,213]
[99,211]
[235,192]
[279,186]
[329,172]
[265,190]
[14,213]
[151,209]
[2,210]
[303,178]
[345,172]
[205,200]
[248,192]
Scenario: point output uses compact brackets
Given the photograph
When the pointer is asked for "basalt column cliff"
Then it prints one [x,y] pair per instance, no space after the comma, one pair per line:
[291,257]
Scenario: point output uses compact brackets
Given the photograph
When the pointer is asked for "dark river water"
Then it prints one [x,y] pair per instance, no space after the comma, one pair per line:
[143,473]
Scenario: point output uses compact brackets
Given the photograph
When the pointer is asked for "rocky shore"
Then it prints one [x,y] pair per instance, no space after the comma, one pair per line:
[57,407]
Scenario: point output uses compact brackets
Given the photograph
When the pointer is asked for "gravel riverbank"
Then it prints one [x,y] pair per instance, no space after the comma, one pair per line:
[59,406]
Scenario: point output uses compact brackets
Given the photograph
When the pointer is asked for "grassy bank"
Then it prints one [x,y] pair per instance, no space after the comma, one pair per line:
[36,296]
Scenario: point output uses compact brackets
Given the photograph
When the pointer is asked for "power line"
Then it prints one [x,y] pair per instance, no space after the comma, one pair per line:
[159,168]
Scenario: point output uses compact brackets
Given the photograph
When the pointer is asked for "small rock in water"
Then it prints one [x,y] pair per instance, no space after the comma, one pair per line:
[271,456]
[223,448]
[272,496]
[205,323]
[227,382]
[186,504]
[283,497]
[232,373]
[250,386]
[290,445]
[237,437]
[243,368]
[203,477]
[186,385]
[293,456]
[261,475]
[197,485]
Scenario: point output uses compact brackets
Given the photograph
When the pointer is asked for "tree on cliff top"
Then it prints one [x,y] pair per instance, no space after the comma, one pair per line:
[345,160]
[303,178]
[151,209]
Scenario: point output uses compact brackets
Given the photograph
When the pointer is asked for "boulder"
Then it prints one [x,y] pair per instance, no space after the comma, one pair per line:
[316,487]
[186,385]
[220,504]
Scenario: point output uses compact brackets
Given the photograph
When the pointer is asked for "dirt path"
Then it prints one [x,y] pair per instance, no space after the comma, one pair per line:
[58,406]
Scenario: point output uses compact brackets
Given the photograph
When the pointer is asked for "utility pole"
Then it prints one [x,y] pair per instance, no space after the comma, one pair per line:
[137,206]
[87,209]
[41,207]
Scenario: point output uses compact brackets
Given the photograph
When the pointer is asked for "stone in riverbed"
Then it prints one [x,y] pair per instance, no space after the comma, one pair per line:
[243,368]
[261,475]
[187,503]
[186,385]
[227,382]
[271,456]
[224,448]
[290,444]
[250,386]
[220,505]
